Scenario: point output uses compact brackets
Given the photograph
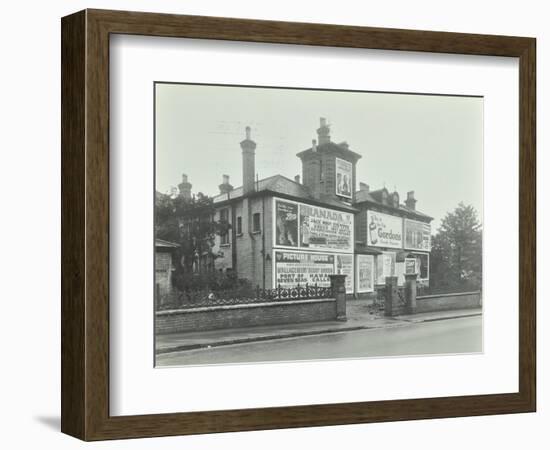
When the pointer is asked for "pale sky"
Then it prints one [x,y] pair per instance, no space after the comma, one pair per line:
[427,143]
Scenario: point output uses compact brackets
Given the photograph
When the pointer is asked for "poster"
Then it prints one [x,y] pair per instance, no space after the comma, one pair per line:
[344,266]
[286,223]
[325,229]
[418,235]
[385,266]
[344,182]
[384,230]
[365,273]
[293,268]
[411,266]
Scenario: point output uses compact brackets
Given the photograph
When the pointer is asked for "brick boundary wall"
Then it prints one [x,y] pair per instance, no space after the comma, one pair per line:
[442,302]
[247,315]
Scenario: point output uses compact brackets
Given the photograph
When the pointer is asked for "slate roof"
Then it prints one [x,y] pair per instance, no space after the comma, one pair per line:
[371,197]
[279,184]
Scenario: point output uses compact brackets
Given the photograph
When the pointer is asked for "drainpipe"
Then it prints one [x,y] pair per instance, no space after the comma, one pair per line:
[263,242]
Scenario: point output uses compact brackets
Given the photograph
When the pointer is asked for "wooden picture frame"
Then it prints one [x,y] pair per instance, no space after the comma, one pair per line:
[85,224]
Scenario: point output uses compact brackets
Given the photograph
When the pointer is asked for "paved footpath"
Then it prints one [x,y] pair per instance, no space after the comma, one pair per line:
[360,317]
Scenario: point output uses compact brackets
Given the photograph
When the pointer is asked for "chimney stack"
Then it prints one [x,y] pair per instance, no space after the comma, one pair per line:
[364,187]
[248,147]
[185,187]
[225,187]
[323,132]
[411,201]
[297,179]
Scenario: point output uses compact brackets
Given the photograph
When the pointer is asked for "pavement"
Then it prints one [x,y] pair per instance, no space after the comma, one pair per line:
[360,317]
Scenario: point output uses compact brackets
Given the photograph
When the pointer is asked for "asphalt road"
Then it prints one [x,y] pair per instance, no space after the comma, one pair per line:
[462,335]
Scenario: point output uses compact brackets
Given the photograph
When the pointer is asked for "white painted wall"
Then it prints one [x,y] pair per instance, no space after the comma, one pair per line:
[29,177]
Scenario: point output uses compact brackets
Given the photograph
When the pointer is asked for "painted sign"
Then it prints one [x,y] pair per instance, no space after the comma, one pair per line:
[344,174]
[418,235]
[344,266]
[286,223]
[385,266]
[292,268]
[298,225]
[365,273]
[384,230]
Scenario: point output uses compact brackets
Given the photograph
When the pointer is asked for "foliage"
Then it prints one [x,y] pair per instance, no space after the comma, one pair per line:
[456,257]
[190,223]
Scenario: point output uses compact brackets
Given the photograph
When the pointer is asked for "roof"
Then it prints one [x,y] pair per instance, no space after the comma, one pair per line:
[279,184]
[374,198]
[161,243]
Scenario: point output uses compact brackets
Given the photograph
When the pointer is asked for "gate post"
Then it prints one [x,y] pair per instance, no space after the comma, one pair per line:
[391,301]
[338,285]
[410,292]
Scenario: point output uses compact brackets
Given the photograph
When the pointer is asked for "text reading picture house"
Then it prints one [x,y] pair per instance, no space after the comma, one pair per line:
[287,232]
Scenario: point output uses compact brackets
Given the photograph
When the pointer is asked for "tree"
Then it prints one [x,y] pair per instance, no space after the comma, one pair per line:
[456,258]
[189,221]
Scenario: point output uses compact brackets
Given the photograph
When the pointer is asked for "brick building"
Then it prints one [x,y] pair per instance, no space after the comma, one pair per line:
[284,232]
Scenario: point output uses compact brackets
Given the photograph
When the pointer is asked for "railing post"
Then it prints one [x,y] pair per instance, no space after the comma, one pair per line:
[410,292]
[338,285]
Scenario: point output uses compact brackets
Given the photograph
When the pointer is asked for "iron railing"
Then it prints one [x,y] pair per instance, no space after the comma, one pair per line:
[240,296]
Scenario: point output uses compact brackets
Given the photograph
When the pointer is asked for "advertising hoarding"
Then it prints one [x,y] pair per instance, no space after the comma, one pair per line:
[344,181]
[286,224]
[344,266]
[365,273]
[385,266]
[418,235]
[292,268]
[384,230]
[298,225]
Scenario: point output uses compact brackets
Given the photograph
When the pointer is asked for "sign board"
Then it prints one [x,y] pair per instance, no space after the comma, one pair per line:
[298,225]
[385,266]
[344,180]
[364,273]
[384,230]
[344,266]
[286,224]
[418,235]
[292,268]
[410,266]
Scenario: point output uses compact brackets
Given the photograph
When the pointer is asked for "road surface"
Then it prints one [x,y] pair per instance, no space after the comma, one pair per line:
[461,335]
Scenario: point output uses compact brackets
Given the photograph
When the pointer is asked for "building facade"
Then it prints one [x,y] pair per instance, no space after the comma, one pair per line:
[286,232]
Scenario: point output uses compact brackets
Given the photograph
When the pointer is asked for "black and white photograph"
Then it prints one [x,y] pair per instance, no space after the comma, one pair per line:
[310,224]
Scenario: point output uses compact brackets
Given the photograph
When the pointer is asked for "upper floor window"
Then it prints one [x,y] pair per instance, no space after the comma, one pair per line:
[256,223]
[224,217]
[239,225]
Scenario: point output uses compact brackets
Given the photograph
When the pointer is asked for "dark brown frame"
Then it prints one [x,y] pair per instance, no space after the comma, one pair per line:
[85,224]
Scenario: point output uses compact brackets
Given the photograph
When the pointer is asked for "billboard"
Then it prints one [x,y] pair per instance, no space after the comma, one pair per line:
[298,225]
[385,266]
[418,235]
[384,230]
[292,268]
[365,273]
[344,174]
[344,266]
[286,224]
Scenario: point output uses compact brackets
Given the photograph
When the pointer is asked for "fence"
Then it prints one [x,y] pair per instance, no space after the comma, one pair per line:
[240,296]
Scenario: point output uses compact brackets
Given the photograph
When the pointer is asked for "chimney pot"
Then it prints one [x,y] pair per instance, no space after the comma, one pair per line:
[323,132]
[247,132]
[411,201]
[297,178]
[314,145]
[225,179]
